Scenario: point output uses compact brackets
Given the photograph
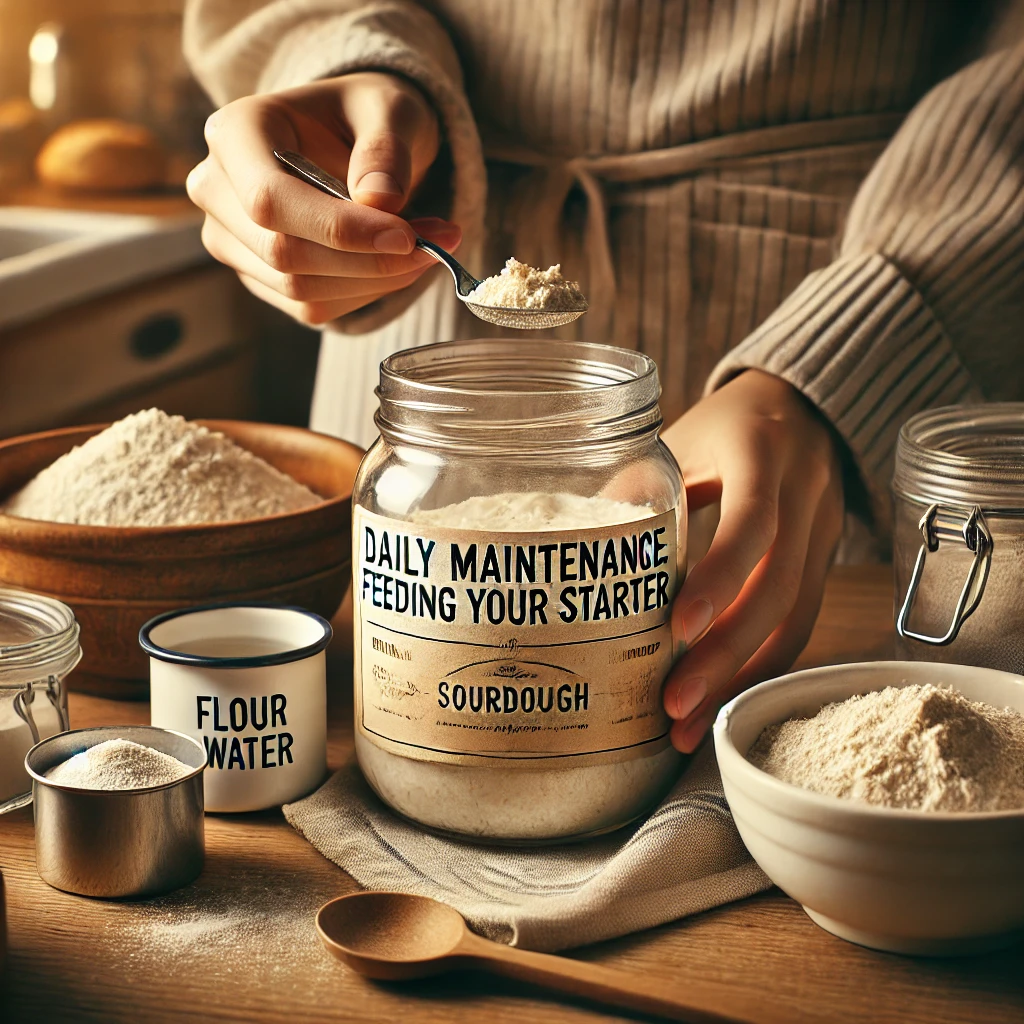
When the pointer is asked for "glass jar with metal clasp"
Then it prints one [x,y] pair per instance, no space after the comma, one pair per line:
[958,545]
[38,649]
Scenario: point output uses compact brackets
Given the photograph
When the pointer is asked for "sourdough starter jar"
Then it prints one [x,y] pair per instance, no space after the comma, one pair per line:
[959,536]
[518,537]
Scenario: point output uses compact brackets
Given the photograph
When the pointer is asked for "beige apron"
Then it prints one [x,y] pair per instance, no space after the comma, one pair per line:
[682,251]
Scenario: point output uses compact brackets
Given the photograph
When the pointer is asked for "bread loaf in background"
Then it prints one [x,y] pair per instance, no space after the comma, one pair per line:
[21,133]
[102,155]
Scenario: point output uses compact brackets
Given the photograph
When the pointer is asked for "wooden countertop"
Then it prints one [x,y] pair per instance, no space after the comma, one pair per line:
[239,944]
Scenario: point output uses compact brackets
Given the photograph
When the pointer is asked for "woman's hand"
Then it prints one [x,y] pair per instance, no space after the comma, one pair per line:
[314,256]
[759,446]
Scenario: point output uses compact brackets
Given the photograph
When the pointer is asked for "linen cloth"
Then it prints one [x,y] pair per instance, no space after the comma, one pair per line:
[684,858]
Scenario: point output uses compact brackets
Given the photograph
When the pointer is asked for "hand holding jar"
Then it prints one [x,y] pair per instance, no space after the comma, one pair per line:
[761,449]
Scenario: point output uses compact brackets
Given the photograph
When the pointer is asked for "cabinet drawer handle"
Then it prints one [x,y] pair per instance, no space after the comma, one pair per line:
[156,337]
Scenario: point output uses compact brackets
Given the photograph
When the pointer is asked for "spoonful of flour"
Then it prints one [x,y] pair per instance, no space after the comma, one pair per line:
[520,296]
[520,286]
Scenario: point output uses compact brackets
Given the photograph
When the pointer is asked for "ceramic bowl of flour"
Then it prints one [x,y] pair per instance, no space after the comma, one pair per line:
[117,578]
[905,881]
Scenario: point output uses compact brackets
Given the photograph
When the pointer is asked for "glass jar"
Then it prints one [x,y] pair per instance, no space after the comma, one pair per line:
[519,530]
[38,648]
[959,536]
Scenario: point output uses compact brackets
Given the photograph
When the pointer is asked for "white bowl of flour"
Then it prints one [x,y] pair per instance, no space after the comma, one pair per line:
[875,855]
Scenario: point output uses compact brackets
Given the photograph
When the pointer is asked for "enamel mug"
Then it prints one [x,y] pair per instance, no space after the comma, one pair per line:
[249,683]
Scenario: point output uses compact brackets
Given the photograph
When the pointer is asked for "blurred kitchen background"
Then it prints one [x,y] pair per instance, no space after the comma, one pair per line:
[108,303]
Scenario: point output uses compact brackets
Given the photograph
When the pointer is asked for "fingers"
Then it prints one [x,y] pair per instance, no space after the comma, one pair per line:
[242,137]
[784,645]
[225,247]
[310,299]
[312,313]
[751,478]
[782,648]
[785,638]
[309,281]
[765,600]
[751,601]
[310,254]
[210,190]
[395,140]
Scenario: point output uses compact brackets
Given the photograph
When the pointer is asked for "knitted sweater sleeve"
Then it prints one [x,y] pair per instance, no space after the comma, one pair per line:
[923,305]
[240,47]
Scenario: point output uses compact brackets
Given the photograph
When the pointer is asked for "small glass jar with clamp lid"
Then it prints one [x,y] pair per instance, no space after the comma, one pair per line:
[959,536]
[38,648]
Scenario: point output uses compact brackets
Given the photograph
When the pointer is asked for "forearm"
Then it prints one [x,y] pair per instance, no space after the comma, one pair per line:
[921,306]
[239,47]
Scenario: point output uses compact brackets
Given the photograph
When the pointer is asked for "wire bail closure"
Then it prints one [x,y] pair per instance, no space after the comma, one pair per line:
[944,523]
[55,693]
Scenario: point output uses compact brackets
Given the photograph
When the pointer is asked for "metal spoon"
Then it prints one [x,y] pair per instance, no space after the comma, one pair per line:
[395,936]
[465,282]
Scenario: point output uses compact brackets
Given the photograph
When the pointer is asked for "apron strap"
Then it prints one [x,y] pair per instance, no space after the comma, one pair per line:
[554,178]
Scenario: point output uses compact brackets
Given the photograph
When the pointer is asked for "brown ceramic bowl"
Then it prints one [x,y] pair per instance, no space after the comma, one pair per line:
[116,578]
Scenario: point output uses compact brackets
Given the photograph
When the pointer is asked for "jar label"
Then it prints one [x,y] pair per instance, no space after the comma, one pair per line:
[476,646]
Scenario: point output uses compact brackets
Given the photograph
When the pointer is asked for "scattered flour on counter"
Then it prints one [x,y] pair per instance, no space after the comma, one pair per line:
[520,286]
[151,469]
[238,919]
[922,748]
[118,764]
[530,511]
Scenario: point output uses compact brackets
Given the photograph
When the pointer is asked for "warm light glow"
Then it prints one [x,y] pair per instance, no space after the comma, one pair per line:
[44,46]
[43,52]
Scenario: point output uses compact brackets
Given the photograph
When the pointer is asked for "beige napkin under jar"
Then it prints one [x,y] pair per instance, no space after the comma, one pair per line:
[684,858]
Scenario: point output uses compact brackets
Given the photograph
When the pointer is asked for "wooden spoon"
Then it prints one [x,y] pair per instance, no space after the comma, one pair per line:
[395,936]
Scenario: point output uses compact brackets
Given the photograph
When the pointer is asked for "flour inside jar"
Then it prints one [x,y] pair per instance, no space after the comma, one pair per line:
[553,657]
[537,510]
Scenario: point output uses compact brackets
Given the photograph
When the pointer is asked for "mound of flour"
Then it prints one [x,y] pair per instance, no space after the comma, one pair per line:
[521,286]
[118,764]
[924,748]
[151,469]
